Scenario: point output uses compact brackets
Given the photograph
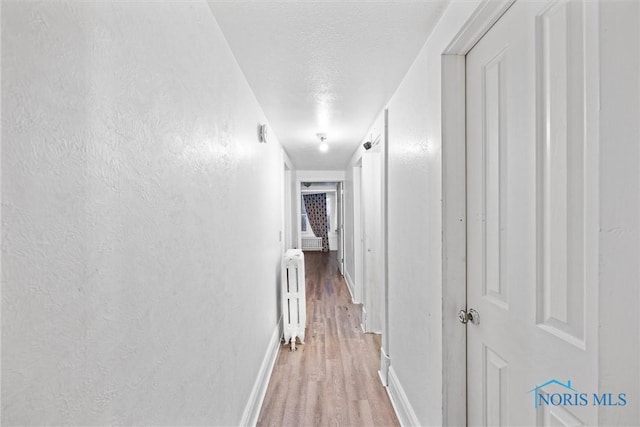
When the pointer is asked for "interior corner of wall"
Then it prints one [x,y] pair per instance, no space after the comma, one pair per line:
[287,159]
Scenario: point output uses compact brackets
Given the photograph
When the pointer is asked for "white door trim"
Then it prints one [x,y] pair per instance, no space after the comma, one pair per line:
[385,351]
[358,268]
[454,244]
[454,241]
[286,240]
[339,227]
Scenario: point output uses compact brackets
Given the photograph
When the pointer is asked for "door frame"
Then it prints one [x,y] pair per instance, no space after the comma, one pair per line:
[454,207]
[286,240]
[340,229]
[358,264]
[310,176]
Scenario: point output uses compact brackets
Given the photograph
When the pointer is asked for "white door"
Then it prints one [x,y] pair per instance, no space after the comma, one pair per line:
[531,351]
[372,215]
[340,227]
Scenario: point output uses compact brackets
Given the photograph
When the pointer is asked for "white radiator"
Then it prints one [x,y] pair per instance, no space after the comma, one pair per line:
[294,306]
[312,243]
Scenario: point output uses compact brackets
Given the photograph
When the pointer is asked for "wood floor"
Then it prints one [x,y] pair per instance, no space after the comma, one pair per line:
[332,379]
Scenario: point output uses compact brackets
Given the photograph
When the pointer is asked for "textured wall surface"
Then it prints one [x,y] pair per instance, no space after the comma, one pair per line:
[140,214]
[415,223]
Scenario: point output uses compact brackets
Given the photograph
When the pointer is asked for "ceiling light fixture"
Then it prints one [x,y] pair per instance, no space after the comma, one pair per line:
[324,147]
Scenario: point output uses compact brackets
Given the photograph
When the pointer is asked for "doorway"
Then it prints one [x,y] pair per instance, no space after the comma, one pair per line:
[517,213]
[340,230]
[309,238]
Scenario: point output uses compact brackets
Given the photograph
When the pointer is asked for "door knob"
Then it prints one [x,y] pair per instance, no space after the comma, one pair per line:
[469,316]
[462,317]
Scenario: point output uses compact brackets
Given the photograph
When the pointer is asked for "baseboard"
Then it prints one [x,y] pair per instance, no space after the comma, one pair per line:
[259,390]
[350,286]
[385,364]
[401,405]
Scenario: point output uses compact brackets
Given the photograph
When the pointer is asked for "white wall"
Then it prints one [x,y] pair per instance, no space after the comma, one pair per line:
[129,156]
[619,179]
[415,223]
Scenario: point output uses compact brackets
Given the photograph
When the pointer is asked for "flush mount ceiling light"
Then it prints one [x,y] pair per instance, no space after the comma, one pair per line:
[324,147]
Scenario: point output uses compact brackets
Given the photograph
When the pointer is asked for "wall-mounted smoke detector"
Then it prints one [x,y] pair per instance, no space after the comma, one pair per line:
[324,147]
[262,133]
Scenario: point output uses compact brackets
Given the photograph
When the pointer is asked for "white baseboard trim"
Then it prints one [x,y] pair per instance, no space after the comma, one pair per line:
[259,390]
[351,286]
[385,364]
[401,405]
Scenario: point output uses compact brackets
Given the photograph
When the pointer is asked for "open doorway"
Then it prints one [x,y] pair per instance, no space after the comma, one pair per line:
[320,218]
[365,197]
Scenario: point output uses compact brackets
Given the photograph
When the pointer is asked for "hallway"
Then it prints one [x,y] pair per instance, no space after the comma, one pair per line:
[480,161]
[332,379]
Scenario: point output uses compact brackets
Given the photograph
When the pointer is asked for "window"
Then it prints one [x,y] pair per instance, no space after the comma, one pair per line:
[304,221]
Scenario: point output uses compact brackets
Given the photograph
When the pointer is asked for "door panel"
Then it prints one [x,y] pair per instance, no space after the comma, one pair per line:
[526,207]
[371,191]
[496,380]
[561,175]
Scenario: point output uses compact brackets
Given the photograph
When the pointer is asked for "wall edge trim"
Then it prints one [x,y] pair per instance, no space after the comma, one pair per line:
[259,390]
[350,286]
[401,405]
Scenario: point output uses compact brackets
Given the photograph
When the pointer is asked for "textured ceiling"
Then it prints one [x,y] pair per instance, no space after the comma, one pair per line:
[325,66]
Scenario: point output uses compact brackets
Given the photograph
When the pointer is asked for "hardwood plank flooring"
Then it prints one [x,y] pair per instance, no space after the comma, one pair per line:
[332,379]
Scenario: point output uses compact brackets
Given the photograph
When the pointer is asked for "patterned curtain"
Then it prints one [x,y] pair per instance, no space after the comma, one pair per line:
[316,206]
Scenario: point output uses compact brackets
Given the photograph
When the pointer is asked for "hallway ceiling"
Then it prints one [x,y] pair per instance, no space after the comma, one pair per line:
[325,66]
